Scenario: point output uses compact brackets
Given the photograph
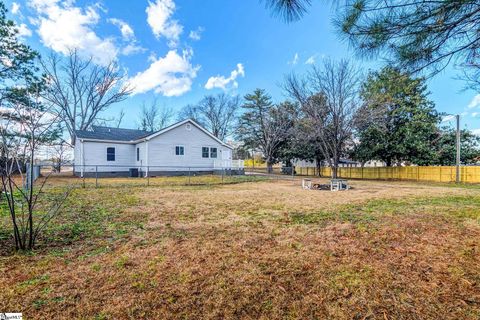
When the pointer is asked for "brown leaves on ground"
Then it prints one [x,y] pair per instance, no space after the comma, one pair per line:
[266,250]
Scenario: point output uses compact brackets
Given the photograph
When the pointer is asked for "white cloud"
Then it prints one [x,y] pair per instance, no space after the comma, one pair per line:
[132,48]
[311,59]
[128,35]
[196,34]
[159,17]
[15,8]
[23,30]
[63,27]
[476,131]
[475,102]
[125,29]
[296,57]
[152,57]
[222,82]
[171,75]
[475,114]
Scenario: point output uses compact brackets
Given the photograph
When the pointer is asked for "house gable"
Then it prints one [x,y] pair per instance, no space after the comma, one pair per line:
[191,139]
[101,137]
[183,124]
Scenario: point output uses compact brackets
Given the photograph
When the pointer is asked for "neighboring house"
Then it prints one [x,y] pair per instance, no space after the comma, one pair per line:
[343,163]
[182,148]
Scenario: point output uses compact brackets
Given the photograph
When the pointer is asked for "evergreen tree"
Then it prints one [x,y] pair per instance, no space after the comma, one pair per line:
[264,126]
[445,147]
[399,122]
[17,60]
[414,35]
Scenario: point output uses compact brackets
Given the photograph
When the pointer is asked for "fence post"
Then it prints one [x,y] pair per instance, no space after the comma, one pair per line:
[293,172]
[223,171]
[189,172]
[96,176]
[83,177]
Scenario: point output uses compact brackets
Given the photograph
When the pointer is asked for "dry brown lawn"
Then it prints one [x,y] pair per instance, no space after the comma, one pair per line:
[256,250]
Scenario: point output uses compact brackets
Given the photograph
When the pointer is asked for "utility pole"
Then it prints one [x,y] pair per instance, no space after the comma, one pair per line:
[458,149]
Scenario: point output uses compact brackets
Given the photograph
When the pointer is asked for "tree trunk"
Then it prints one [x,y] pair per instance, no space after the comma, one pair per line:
[334,171]
[318,164]
[269,167]
[335,168]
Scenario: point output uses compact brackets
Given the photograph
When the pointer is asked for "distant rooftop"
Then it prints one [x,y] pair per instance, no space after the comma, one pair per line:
[114,134]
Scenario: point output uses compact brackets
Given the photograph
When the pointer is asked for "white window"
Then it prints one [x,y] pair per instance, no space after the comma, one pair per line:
[213,152]
[205,152]
[179,150]
[209,152]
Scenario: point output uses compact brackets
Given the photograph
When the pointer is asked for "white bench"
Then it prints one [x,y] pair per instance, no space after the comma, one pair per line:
[339,185]
[306,184]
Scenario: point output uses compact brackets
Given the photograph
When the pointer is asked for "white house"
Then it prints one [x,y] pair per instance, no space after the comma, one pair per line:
[184,147]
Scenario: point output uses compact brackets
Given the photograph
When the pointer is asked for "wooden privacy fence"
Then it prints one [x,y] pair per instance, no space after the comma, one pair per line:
[468,174]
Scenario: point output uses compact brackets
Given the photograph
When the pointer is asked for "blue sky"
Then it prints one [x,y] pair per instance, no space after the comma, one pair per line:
[180,50]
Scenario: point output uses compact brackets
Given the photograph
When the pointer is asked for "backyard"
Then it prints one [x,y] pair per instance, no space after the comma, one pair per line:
[252,248]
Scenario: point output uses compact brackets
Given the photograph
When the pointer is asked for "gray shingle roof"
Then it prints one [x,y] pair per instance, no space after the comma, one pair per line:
[114,134]
[128,135]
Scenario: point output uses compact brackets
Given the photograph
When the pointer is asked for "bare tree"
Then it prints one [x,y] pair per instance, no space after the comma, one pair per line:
[219,113]
[191,111]
[328,96]
[215,112]
[153,118]
[264,126]
[80,90]
[61,153]
[26,125]
[119,119]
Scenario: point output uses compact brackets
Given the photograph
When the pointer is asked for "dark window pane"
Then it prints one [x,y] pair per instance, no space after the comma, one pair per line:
[213,152]
[204,152]
[138,154]
[110,154]
[179,150]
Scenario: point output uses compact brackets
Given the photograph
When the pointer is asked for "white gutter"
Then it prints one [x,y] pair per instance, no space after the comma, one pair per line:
[82,158]
[146,157]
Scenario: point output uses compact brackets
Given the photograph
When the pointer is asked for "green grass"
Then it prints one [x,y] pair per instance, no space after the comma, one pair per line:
[99,213]
[192,181]
[456,207]
[93,213]
[86,214]
[258,251]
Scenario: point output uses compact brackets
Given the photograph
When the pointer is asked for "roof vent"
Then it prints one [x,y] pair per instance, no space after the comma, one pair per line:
[188,127]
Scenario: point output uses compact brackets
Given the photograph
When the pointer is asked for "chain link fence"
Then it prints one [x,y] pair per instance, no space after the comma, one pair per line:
[114,175]
[103,175]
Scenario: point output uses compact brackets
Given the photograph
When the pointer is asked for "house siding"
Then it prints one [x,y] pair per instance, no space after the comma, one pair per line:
[143,156]
[161,155]
[95,157]
[76,153]
[161,149]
